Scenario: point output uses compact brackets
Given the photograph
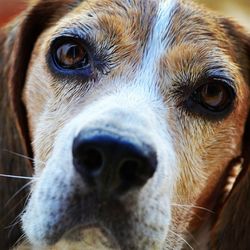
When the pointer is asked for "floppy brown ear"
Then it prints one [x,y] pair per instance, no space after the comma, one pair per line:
[16,44]
[10,144]
[232,229]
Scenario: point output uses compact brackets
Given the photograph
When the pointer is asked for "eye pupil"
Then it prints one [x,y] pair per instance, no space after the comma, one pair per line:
[213,95]
[71,55]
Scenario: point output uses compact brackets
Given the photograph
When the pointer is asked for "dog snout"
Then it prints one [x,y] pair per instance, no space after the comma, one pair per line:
[112,164]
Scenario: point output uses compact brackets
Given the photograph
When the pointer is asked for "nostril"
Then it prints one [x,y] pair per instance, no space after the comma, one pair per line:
[129,169]
[132,172]
[92,159]
[87,159]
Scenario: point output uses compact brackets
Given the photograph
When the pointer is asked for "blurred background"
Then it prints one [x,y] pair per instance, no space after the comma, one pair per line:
[9,9]
[239,9]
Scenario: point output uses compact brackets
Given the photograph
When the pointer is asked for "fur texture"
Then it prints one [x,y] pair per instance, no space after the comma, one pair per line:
[154,53]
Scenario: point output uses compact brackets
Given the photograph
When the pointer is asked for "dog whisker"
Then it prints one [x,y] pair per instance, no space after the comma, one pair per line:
[13,208]
[22,156]
[192,206]
[191,237]
[22,239]
[18,177]
[179,236]
[192,212]
[15,222]
[18,192]
[17,219]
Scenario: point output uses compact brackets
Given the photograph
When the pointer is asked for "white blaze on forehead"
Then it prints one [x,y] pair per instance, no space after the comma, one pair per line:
[158,40]
[145,82]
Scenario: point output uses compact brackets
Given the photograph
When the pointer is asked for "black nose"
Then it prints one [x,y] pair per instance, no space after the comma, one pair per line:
[111,164]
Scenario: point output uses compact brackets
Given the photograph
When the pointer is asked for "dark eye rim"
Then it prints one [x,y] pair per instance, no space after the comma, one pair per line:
[194,105]
[77,65]
[86,72]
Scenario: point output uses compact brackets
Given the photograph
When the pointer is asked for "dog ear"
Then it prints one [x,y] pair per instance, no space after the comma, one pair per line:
[232,228]
[10,146]
[16,44]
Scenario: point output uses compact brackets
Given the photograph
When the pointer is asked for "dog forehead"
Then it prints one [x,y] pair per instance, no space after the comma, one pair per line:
[143,20]
[143,33]
[146,24]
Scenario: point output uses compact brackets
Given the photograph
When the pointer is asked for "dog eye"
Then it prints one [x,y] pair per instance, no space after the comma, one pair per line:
[70,55]
[215,96]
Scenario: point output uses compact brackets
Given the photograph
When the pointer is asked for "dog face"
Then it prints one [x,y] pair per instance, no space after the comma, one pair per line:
[135,109]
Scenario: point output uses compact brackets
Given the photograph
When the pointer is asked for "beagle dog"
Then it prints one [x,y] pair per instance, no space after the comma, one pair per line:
[134,115]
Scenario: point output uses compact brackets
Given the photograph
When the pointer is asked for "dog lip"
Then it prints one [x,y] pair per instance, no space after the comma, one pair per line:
[74,233]
[83,217]
[78,233]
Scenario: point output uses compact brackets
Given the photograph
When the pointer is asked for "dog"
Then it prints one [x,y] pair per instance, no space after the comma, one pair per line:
[134,115]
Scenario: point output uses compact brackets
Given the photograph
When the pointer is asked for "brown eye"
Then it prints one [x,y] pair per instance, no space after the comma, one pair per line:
[71,55]
[214,96]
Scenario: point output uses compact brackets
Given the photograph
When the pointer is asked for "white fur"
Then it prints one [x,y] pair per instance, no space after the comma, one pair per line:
[133,108]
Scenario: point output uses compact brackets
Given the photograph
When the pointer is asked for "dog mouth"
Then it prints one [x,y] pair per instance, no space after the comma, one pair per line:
[93,222]
[91,236]
[86,218]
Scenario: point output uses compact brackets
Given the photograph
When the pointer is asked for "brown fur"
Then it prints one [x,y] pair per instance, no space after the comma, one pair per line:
[15,135]
[10,141]
[232,227]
